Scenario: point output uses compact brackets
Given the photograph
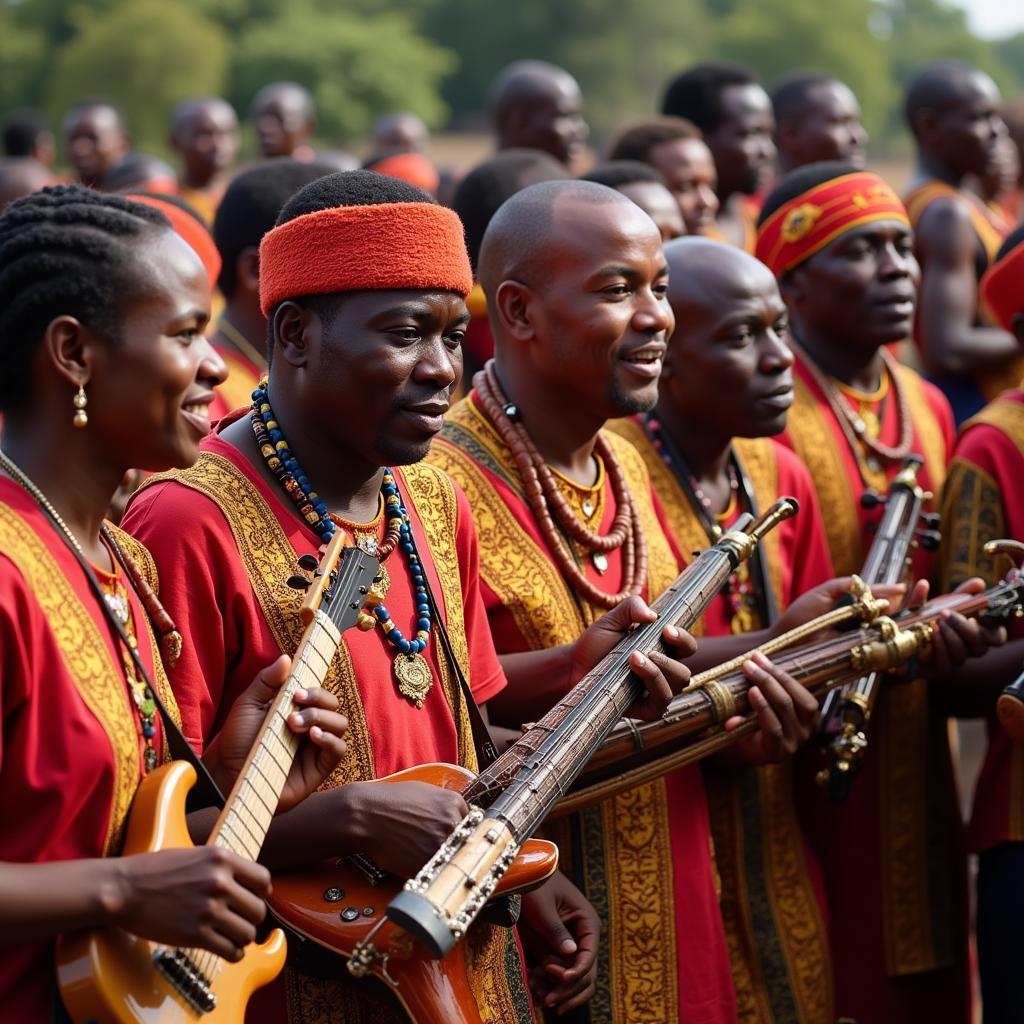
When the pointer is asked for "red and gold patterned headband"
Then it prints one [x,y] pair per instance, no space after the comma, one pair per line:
[809,221]
[1002,287]
[362,248]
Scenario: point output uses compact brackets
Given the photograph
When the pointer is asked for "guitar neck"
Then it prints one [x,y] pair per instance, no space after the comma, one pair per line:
[252,802]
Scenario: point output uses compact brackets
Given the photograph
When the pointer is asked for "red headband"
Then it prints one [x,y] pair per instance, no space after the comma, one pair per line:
[191,230]
[362,248]
[1002,287]
[809,221]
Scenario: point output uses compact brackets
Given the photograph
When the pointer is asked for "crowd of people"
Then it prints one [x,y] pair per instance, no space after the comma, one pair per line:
[533,389]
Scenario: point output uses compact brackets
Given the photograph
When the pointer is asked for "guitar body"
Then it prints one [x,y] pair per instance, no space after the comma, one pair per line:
[336,905]
[108,976]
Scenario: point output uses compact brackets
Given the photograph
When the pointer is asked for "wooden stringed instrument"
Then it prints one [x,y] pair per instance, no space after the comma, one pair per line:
[407,935]
[110,976]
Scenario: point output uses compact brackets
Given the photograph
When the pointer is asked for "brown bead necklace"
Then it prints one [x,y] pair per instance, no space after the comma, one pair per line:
[548,504]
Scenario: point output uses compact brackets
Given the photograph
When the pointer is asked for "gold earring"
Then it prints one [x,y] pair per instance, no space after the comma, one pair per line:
[81,417]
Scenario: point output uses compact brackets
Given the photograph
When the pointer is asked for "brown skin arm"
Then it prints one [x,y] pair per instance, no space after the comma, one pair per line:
[971,690]
[948,296]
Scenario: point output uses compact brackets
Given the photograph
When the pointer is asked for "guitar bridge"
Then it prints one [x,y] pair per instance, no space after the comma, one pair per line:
[187,980]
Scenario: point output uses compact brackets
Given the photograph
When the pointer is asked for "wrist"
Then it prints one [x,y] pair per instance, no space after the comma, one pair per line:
[113,893]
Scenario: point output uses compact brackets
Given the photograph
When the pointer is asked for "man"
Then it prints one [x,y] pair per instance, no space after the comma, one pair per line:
[734,115]
[362,369]
[981,503]
[21,176]
[817,118]
[247,212]
[536,105]
[403,132]
[26,134]
[477,198]
[890,854]
[645,187]
[576,291]
[711,460]
[675,149]
[205,134]
[284,116]
[96,139]
[953,112]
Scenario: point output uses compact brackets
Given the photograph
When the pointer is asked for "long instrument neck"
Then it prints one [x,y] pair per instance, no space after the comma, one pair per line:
[250,806]
[558,747]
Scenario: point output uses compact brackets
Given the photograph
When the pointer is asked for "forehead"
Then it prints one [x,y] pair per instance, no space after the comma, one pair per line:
[210,115]
[832,99]
[876,231]
[92,119]
[682,152]
[721,284]
[744,102]
[170,269]
[590,236]
[365,306]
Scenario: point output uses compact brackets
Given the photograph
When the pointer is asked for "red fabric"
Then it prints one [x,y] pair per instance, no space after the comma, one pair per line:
[809,221]
[411,167]
[1002,287]
[705,977]
[994,453]
[358,248]
[206,590]
[57,767]
[191,230]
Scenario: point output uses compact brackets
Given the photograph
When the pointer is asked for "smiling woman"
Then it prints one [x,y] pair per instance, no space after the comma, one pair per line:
[103,367]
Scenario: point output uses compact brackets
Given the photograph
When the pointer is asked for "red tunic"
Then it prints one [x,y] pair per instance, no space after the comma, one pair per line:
[225,585]
[892,854]
[983,500]
[71,747]
[643,858]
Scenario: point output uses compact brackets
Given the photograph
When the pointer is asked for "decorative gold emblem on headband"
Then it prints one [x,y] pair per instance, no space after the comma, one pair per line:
[799,221]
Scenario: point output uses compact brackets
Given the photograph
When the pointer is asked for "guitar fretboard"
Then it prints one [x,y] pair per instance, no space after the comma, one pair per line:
[249,809]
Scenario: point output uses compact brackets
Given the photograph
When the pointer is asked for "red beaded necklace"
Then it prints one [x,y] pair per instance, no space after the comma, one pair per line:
[548,503]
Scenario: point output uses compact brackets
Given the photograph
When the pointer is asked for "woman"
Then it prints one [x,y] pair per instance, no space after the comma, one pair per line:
[103,367]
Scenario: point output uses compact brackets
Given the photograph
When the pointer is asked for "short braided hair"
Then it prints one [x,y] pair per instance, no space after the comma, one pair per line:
[64,250]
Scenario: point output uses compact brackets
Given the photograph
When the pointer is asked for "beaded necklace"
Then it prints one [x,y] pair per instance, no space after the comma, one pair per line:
[742,595]
[411,669]
[548,503]
[116,599]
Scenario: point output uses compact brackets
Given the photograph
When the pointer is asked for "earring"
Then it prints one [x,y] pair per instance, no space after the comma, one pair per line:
[81,417]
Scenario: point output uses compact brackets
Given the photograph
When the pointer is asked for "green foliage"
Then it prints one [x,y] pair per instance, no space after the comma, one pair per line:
[356,66]
[22,57]
[144,55]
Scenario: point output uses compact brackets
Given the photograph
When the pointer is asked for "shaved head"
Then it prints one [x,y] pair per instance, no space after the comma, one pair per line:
[523,236]
[705,272]
[942,85]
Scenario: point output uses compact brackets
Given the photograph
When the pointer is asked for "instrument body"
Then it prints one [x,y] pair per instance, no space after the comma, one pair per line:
[339,903]
[518,790]
[112,977]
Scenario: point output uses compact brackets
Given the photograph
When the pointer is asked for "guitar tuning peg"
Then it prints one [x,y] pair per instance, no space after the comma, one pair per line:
[298,582]
[871,499]
[308,562]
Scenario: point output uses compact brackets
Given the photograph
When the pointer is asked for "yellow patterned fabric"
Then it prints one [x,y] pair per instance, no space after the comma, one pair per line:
[269,559]
[621,850]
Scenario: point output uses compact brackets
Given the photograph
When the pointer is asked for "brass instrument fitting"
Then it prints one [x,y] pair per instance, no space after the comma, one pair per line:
[893,648]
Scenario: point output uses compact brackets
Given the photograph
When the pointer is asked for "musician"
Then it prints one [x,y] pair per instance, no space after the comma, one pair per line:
[710,461]
[981,502]
[364,356]
[840,244]
[104,367]
[576,290]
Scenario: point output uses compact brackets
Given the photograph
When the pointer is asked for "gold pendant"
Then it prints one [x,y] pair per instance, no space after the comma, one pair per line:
[872,426]
[412,673]
[600,561]
[588,507]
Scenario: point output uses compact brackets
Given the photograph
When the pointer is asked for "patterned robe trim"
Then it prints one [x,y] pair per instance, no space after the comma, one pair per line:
[99,679]
[619,849]
[917,919]
[778,944]
[990,228]
[269,559]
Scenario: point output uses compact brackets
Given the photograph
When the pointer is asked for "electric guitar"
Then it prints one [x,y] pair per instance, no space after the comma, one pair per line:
[110,976]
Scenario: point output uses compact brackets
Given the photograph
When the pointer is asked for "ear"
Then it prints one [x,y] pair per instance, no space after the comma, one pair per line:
[513,303]
[294,330]
[247,269]
[1017,327]
[67,344]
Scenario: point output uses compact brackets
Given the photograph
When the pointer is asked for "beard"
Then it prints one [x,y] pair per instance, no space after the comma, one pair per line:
[629,403]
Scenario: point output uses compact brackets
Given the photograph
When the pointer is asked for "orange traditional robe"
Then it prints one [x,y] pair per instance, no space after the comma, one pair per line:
[991,227]
[643,858]
[982,501]
[71,746]
[772,895]
[892,853]
[225,581]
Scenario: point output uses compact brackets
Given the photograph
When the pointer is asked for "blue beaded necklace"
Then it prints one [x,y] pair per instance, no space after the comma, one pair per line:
[411,670]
